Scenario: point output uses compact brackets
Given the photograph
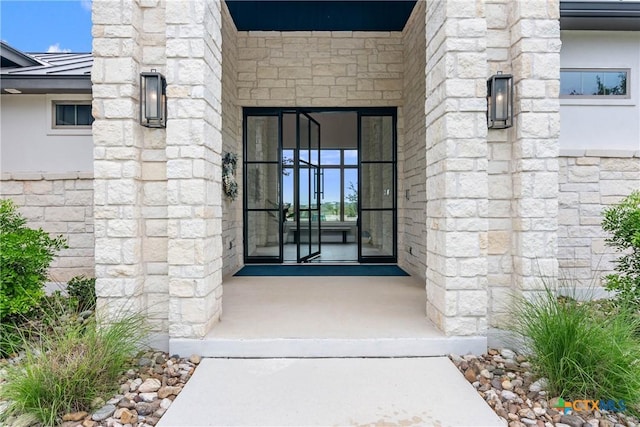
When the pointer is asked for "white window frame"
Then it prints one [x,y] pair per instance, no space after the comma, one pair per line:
[57,99]
[626,99]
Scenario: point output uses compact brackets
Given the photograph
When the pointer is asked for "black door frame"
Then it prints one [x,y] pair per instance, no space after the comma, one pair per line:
[279,111]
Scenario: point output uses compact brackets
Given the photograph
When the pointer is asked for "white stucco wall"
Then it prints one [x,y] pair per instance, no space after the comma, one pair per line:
[601,124]
[30,144]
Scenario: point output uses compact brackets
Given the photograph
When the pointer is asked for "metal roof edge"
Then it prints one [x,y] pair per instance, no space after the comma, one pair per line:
[17,57]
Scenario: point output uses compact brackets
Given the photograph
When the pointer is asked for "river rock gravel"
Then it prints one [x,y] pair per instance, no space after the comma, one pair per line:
[145,393]
[521,399]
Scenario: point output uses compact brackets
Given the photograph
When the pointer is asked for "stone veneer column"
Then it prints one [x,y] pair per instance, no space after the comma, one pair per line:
[118,141]
[194,143]
[456,158]
[535,58]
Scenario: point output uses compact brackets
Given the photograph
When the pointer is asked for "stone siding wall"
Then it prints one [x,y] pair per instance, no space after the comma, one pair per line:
[535,59]
[153,157]
[456,157]
[118,43]
[231,143]
[589,182]
[412,252]
[194,166]
[320,68]
[60,204]
[499,250]
[523,39]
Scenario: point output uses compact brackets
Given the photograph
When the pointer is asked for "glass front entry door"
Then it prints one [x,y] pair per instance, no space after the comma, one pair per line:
[307,167]
[303,192]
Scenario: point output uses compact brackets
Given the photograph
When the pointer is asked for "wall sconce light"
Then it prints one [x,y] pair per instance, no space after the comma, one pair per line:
[500,101]
[153,100]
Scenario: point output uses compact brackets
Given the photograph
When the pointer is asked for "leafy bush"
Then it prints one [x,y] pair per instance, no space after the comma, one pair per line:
[70,364]
[582,356]
[623,222]
[25,256]
[83,290]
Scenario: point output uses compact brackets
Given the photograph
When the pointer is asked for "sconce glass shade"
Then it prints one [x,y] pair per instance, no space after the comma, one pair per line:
[500,101]
[153,100]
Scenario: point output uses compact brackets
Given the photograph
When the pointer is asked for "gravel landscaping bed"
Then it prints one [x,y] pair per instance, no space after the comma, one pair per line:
[146,392]
[501,377]
[505,381]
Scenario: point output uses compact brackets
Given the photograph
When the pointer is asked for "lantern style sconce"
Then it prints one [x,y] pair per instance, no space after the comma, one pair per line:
[153,100]
[500,101]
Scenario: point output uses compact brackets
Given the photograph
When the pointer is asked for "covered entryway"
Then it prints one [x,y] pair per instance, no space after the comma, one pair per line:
[470,215]
[320,185]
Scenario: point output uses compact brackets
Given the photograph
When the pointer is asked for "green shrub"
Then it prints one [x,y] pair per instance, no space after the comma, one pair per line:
[25,256]
[582,356]
[623,222]
[70,364]
[83,290]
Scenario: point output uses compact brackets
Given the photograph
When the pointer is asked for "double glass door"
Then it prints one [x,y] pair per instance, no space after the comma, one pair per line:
[284,186]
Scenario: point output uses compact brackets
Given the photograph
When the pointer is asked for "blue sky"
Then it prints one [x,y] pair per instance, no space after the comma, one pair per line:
[46,26]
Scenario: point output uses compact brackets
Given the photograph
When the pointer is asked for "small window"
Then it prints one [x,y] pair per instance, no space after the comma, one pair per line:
[67,114]
[585,83]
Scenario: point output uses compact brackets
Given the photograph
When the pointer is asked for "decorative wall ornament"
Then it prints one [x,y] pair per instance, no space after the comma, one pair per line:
[229,184]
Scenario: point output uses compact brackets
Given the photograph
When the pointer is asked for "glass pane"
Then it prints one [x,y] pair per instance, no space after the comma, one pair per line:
[330,157]
[84,115]
[377,233]
[65,115]
[303,186]
[289,130]
[304,138]
[377,138]
[377,185]
[350,157]
[615,83]
[262,186]
[287,194]
[263,234]
[315,235]
[592,83]
[350,194]
[262,138]
[314,194]
[305,233]
[314,142]
[570,83]
[330,195]
[288,157]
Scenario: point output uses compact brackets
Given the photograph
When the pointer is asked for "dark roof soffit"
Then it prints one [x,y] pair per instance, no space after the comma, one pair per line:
[320,15]
[51,84]
[600,15]
[599,9]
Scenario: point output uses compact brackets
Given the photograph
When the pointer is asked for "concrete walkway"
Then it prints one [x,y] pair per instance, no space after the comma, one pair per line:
[329,392]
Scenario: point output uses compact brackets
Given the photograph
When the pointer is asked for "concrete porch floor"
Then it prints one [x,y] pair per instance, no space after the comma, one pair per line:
[266,317]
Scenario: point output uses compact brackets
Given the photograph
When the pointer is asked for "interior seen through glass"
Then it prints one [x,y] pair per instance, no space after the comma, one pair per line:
[337,193]
[327,218]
